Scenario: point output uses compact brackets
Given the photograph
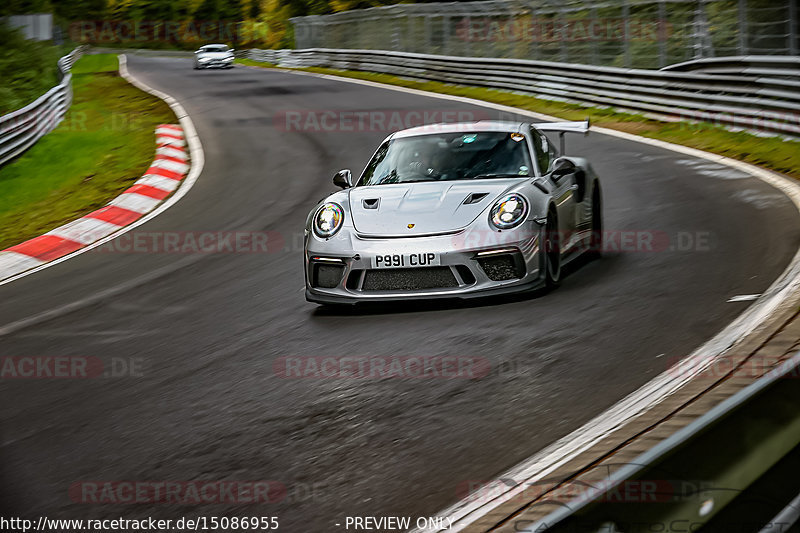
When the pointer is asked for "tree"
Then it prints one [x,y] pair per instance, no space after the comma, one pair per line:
[22,7]
[219,10]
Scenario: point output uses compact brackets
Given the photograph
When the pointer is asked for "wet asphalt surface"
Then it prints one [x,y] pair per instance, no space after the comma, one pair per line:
[203,331]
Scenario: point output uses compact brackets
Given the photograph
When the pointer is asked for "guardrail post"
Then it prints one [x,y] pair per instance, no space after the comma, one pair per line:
[702,39]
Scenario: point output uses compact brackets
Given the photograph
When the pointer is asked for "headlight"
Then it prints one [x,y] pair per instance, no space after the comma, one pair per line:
[509,211]
[328,219]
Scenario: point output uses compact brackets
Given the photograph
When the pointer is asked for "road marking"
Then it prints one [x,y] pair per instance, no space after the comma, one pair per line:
[744,298]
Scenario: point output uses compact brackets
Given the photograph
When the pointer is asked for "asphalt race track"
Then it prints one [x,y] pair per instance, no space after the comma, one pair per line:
[204,330]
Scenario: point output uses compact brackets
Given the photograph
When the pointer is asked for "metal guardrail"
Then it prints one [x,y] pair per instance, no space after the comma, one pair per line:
[19,130]
[740,456]
[778,66]
[764,100]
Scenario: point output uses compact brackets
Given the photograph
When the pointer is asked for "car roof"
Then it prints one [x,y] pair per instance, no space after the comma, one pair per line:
[217,44]
[455,127]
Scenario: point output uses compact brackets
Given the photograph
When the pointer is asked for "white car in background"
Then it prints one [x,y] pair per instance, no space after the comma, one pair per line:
[213,56]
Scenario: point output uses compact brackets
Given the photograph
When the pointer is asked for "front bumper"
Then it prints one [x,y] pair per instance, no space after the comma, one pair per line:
[472,264]
[215,64]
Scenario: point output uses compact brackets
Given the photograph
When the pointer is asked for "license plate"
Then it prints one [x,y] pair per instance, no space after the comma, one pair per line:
[421,259]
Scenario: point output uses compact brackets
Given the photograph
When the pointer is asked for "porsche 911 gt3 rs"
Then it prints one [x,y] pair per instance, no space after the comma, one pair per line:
[454,211]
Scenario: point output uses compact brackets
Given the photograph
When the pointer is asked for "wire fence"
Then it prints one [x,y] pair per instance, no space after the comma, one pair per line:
[626,33]
[19,130]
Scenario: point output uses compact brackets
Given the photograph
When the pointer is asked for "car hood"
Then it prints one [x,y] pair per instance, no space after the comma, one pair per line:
[424,208]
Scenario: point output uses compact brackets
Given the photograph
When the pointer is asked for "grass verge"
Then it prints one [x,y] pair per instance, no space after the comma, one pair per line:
[773,153]
[104,144]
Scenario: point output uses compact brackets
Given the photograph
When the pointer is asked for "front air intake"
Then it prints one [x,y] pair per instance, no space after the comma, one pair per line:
[409,279]
[503,267]
[326,276]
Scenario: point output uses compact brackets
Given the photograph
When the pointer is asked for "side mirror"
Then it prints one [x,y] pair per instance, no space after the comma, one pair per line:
[562,167]
[231,50]
[197,51]
[343,179]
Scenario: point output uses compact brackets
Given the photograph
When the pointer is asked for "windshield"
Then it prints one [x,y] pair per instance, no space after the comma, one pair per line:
[220,48]
[449,157]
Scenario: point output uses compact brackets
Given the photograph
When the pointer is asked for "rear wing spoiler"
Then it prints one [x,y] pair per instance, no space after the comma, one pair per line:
[564,127]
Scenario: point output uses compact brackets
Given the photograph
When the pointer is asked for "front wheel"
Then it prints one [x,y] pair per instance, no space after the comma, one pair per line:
[551,249]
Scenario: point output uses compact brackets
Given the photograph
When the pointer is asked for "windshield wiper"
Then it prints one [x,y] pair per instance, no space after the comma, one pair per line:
[499,175]
[400,182]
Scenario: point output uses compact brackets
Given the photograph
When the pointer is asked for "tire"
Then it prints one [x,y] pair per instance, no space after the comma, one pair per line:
[551,248]
[596,242]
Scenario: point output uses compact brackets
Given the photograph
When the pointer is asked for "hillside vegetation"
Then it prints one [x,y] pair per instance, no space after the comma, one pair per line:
[27,69]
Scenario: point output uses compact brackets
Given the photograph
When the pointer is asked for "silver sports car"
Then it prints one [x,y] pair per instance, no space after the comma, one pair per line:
[454,211]
[213,56]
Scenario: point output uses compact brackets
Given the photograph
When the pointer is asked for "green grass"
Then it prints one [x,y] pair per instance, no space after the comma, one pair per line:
[251,63]
[92,64]
[768,152]
[104,144]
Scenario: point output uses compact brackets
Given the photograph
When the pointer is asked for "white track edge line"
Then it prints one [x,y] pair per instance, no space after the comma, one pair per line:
[661,387]
[197,163]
